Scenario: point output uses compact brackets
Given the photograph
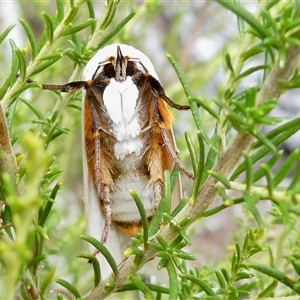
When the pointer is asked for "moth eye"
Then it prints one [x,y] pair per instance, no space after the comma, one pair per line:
[109,71]
[130,68]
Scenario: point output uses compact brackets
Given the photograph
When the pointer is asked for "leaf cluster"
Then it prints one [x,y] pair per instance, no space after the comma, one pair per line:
[237,163]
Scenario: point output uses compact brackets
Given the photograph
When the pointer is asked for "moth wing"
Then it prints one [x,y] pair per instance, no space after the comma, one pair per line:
[95,221]
[177,193]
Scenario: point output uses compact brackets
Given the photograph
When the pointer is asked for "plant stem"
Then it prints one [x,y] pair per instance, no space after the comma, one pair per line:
[227,164]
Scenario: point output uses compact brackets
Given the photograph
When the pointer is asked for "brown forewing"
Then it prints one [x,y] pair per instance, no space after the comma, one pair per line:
[154,116]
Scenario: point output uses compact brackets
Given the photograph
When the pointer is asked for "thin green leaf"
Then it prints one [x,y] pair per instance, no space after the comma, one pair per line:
[91,14]
[6,32]
[200,166]
[60,10]
[282,57]
[71,15]
[47,280]
[241,23]
[204,105]
[35,110]
[269,4]
[102,249]
[202,283]
[41,231]
[249,170]
[243,275]
[246,16]
[269,20]
[46,211]
[225,274]
[72,30]
[210,159]
[228,62]
[71,288]
[155,223]
[110,13]
[276,274]
[5,87]
[25,87]
[221,207]
[251,71]
[221,279]
[96,266]
[257,216]
[268,175]
[143,215]
[167,192]
[268,290]
[173,281]
[254,158]
[296,264]
[191,151]
[141,286]
[115,30]
[7,219]
[188,93]
[286,167]
[60,297]
[252,52]
[286,217]
[15,64]
[162,242]
[30,36]
[56,55]
[152,287]
[238,251]
[50,27]
[174,178]
[36,260]
[43,39]
[296,177]
[220,178]
[45,65]
[184,255]
[296,10]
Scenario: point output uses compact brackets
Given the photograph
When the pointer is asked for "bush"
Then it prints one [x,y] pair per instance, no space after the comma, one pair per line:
[235,161]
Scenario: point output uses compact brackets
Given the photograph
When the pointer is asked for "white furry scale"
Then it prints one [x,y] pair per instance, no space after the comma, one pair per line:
[120,101]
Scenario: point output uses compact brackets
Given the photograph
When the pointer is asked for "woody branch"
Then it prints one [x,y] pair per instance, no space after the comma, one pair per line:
[226,165]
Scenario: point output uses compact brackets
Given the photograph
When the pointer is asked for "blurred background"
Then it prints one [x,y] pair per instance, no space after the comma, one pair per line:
[196,34]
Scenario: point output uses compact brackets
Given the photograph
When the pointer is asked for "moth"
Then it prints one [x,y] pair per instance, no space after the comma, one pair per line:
[128,142]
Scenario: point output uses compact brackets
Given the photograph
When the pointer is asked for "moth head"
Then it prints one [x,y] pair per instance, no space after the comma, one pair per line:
[118,61]
[120,65]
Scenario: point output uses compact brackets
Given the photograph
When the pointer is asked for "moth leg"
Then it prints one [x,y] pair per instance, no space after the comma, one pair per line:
[65,88]
[177,162]
[104,196]
[107,212]
[102,191]
[175,105]
[157,193]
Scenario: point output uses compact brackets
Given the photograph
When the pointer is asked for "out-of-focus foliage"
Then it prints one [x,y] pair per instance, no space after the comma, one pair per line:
[231,86]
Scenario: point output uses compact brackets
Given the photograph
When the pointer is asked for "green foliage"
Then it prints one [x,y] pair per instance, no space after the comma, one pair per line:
[232,160]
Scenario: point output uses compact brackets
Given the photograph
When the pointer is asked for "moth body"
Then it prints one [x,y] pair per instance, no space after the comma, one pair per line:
[125,114]
[128,143]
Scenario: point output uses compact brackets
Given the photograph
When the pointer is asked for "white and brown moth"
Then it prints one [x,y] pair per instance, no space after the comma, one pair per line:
[128,142]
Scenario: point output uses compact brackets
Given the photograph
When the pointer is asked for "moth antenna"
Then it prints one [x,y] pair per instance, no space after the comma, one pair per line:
[138,61]
[102,63]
